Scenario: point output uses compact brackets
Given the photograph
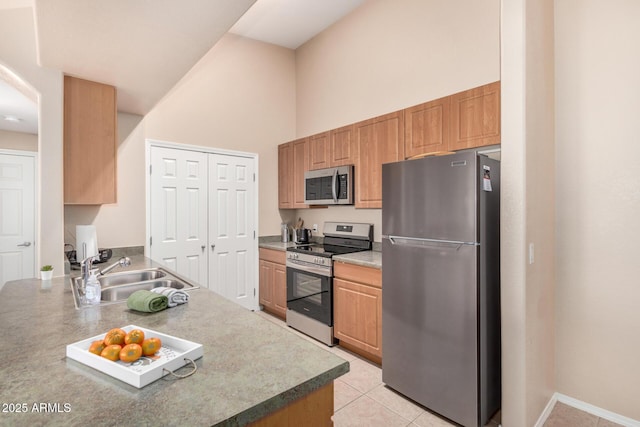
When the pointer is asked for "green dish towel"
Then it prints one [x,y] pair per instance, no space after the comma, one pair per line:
[147,301]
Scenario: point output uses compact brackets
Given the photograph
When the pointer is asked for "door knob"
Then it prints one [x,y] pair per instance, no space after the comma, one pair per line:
[203,247]
[213,247]
[25,244]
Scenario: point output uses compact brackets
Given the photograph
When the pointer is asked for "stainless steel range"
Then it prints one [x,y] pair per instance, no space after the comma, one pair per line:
[310,277]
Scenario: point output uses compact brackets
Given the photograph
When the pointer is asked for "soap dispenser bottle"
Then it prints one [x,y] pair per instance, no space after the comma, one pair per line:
[92,288]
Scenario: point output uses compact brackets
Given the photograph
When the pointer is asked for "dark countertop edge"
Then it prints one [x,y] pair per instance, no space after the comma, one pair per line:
[285,398]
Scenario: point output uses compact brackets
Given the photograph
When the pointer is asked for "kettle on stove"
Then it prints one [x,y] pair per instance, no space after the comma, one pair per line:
[303,235]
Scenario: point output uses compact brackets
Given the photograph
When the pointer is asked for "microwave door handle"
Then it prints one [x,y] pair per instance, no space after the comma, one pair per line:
[334,184]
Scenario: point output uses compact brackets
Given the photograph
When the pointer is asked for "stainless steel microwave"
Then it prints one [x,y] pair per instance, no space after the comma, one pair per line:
[331,186]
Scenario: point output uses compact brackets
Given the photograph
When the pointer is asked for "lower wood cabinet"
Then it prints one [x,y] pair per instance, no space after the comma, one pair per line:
[357,309]
[273,282]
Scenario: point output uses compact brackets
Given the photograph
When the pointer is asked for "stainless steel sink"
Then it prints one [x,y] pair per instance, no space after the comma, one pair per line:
[126,277]
[117,287]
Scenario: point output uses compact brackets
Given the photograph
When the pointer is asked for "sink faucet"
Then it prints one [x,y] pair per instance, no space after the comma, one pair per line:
[122,262]
[85,268]
[87,264]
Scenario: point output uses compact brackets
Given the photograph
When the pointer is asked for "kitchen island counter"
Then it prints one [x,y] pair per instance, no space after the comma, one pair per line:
[250,368]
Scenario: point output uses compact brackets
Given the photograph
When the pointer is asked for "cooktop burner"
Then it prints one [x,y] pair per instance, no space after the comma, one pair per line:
[326,251]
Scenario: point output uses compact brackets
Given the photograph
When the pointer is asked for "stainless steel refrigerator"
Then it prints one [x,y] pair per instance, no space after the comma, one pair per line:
[441,284]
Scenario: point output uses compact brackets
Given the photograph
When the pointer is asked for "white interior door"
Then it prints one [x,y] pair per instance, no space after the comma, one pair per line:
[178,211]
[232,228]
[17,217]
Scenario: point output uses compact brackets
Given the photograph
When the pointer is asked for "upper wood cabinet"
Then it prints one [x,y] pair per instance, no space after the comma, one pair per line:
[427,128]
[464,120]
[343,147]
[285,176]
[319,151]
[475,117]
[293,162]
[90,152]
[379,140]
[300,166]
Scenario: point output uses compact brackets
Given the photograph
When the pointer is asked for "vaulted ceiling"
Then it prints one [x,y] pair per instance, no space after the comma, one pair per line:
[144,47]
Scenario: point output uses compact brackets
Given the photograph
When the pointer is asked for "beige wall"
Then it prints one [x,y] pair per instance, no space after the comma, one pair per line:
[386,56]
[121,224]
[240,96]
[18,53]
[598,202]
[18,141]
[540,206]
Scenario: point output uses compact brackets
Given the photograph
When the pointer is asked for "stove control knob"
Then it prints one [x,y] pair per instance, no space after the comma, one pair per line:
[322,261]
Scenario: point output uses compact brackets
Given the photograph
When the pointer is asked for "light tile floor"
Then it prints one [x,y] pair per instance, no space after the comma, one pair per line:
[361,399]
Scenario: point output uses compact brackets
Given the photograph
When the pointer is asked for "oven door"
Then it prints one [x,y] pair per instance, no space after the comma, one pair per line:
[310,292]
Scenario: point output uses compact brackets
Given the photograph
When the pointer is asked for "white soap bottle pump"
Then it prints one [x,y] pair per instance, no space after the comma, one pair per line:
[93,291]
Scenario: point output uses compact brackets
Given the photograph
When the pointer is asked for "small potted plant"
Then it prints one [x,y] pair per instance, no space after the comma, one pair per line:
[46,272]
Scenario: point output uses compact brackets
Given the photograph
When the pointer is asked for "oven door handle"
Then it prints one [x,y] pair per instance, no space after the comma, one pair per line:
[309,268]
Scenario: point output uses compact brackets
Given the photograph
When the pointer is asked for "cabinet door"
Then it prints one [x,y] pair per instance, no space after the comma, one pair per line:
[343,146]
[300,166]
[357,315]
[280,289]
[426,128]
[285,176]
[379,140]
[266,284]
[475,117]
[89,142]
[319,151]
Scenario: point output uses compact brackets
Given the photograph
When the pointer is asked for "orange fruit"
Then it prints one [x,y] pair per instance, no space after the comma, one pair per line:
[111,352]
[115,336]
[96,347]
[135,336]
[151,346]
[130,352]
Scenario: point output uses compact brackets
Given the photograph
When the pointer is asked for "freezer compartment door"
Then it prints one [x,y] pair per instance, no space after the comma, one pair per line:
[433,197]
[429,325]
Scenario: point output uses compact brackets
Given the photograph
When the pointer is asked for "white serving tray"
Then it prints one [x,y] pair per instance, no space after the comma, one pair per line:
[174,354]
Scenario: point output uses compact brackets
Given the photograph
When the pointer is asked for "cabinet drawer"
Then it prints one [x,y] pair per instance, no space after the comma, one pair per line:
[357,273]
[279,257]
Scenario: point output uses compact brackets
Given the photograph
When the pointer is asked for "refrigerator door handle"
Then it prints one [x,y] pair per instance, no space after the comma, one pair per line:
[417,241]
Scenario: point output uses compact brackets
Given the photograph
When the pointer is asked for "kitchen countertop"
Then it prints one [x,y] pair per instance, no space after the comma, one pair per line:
[365,258]
[250,368]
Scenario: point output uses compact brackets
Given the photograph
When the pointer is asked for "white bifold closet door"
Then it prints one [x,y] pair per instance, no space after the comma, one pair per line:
[203,220]
[178,211]
[232,228]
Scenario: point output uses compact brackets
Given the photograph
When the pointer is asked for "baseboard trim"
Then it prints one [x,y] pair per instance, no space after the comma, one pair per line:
[586,407]
[547,411]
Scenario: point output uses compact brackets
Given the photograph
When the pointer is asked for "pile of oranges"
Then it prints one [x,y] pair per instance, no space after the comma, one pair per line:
[126,346]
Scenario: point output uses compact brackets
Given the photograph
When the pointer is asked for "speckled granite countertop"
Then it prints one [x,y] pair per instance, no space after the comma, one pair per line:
[365,258]
[251,367]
